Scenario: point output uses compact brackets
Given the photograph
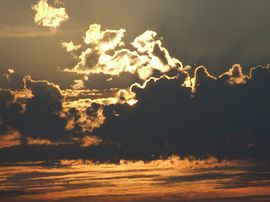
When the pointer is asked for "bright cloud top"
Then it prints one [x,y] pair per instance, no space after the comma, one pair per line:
[105,52]
[48,16]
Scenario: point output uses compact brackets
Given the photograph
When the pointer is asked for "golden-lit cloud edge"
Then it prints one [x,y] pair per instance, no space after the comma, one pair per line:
[49,16]
[104,52]
[82,100]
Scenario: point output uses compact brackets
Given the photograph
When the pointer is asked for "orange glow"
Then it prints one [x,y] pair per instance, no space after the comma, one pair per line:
[175,178]
[236,75]
[32,141]
[10,139]
[132,102]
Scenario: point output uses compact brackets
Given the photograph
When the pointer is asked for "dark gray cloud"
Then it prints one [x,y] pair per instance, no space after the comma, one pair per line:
[41,117]
[38,115]
[220,119]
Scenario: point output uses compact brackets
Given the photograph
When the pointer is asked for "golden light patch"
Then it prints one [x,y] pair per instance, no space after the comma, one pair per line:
[10,139]
[173,177]
[70,46]
[48,16]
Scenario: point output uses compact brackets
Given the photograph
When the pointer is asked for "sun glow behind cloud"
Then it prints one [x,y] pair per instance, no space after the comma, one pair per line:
[105,52]
[121,140]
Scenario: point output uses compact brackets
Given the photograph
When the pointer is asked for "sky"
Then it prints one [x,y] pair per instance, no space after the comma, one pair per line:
[212,33]
[158,96]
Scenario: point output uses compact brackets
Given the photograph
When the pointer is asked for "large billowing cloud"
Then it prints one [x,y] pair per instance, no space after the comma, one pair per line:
[37,113]
[41,113]
[223,116]
[105,53]
[49,16]
[200,115]
[149,105]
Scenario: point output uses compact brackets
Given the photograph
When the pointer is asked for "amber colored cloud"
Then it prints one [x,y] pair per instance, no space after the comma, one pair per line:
[49,16]
[105,52]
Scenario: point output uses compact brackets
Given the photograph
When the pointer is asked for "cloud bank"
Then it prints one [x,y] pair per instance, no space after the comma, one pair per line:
[150,106]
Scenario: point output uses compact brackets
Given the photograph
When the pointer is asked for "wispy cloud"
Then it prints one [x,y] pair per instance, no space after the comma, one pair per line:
[157,180]
[23,32]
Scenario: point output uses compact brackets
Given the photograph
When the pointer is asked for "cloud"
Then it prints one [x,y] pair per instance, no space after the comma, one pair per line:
[105,53]
[43,110]
[138,102]
[6,99]
[78,84]
[23,32]
[38,115]
[10,139]
[173,174]
[222,116]
[105,40]
[48,16]
[70,46]
[42,113]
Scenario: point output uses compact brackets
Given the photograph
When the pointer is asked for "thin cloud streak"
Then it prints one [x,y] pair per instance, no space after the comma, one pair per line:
[24,32]
[159,180]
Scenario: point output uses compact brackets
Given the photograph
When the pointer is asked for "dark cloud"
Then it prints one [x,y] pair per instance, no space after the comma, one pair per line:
[36,116]
[105,81]
[220,118]
[5,99]
[225,116]
[41,117]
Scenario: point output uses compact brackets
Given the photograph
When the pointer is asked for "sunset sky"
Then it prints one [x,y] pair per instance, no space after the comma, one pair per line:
[120,100]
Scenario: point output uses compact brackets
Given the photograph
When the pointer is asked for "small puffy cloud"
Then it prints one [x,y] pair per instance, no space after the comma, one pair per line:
[104,40]
[70,46]
[9,73]
[49,16]
[78,84]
